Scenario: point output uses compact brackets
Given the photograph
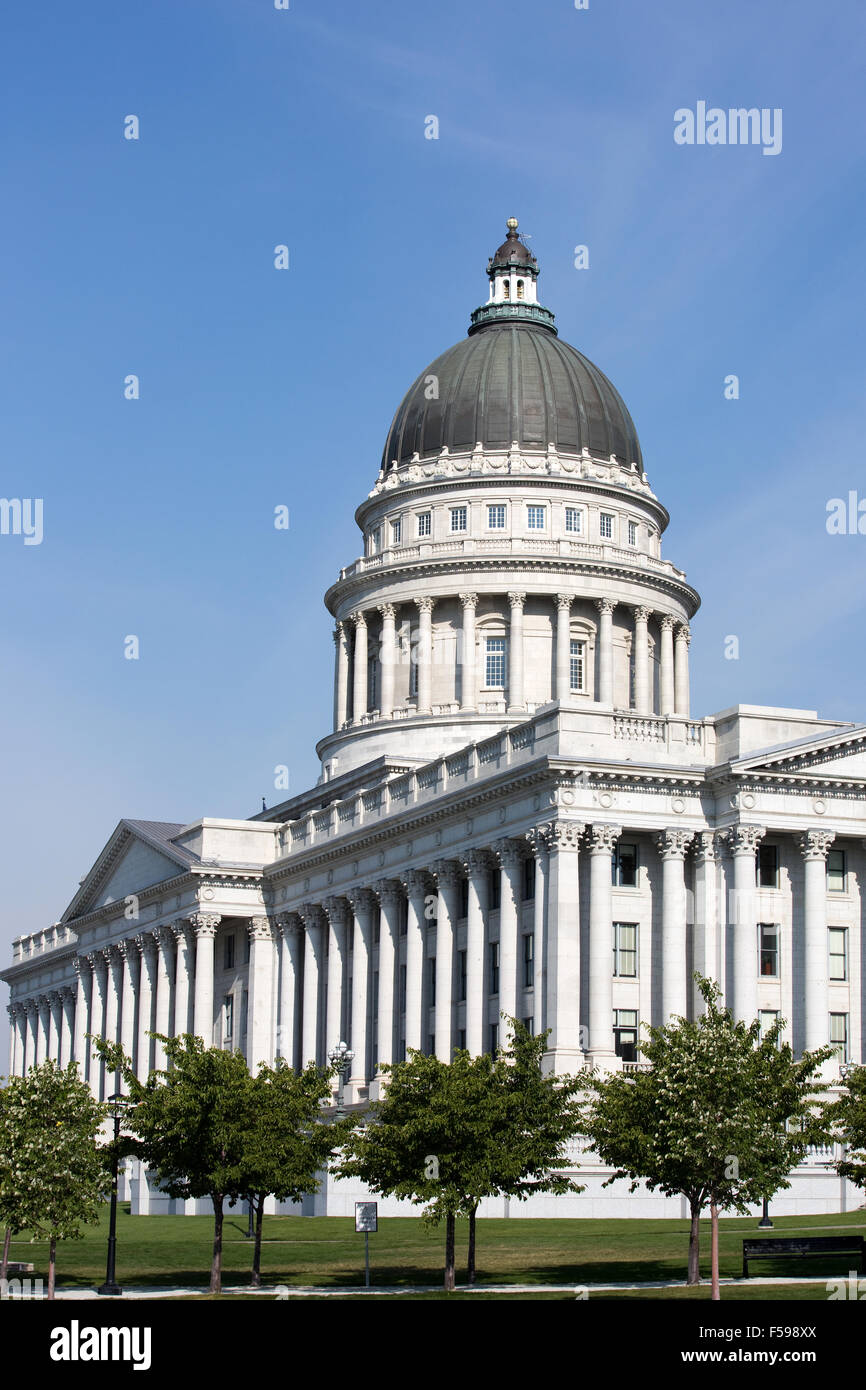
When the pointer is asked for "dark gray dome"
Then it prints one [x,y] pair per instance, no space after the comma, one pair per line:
[512,380]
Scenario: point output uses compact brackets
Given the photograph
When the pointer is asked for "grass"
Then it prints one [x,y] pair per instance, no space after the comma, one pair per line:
[165,1251]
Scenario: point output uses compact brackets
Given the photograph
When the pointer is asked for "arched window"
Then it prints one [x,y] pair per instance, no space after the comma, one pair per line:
[506,289]
[520,289]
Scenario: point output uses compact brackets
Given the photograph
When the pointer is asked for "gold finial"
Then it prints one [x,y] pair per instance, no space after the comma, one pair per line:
[511,224]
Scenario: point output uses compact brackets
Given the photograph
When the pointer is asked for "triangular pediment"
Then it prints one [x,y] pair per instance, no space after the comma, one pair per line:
[837,756]
[138,855]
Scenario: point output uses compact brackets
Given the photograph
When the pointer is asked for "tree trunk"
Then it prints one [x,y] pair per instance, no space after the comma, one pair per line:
[259,1207]
[470,1260]
[714,1252]
[449,1253]
[5,1263]
[216,1268]
[695,1245]
[52,1261]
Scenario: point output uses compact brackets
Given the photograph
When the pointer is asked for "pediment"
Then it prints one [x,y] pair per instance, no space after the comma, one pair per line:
[137,856]
[836,757]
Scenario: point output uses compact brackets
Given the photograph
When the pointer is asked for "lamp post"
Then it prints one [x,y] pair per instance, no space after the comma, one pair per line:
[765,1224]
[118,1104]
[340,1057]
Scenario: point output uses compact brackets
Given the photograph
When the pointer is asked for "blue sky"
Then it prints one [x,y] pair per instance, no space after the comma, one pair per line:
[258,387]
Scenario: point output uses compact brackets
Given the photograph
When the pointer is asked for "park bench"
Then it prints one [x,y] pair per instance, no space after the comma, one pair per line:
[16,1267]
[801,1247]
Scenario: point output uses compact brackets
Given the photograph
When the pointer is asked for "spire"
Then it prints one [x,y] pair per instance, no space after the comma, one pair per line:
[513,275]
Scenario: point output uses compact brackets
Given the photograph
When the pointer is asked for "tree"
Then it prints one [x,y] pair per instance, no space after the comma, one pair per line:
[847,1118]
[53,1173]
[721,1117]
[289,1139]
[191,1124]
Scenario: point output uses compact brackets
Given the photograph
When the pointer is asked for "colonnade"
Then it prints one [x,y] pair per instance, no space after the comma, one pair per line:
[352,638]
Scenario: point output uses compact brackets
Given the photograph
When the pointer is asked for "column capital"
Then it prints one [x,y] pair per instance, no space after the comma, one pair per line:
[425,603]
[146,945]
[164,937]
[259,929]
[31,1008]
[602,837]
[684,633]
[642,614]
[743,839]
[538,840]
[387,611]
[516,600]
[128,949]
[82,967]
[97,962]
[447,873]
[469,600]
[289,923]
[706,846]
[361,899]
[673,842]
[561,834]
[182,931]
[417,882]
[564,602]
[477,861]
[67,993]
[815,843]
[388,891]
[667,621]
[313,915]
[336,910]
[605,605]
[359,618]
[337,633]
[509,852]
[204,923]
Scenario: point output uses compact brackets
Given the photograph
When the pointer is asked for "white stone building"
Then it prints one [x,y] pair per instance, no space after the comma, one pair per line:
[517,813]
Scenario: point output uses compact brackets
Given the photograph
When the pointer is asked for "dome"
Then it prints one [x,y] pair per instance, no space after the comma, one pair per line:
[511,380]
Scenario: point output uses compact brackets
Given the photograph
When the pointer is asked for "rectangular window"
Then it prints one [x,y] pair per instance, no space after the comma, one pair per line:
[372,683]
[625,1034]
[624,866]
[425,526]
[625,949]
[229,952]
[529,1025]
[404,916]
[767,866]
[464,897]
[768,933]
[494,674]
[247,948]
[839,1034]
[494,1037]
[462,959]
[496,517]
[577,670]
[375,540]
[245,1009]
[838,953]
[459,518]
[574,520]
[431,981]
[836,880]
[767,1018]
[397,531]
[494,890]
[528,961]
[413,673]
[228,1017]
[528,879]
[494,967]
[632,533]
[605,526]
[535,518]
[377,930]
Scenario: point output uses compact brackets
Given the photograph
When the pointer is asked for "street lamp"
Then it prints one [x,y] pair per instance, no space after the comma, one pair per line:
[765,1224]
[118,1104]
[340,1057]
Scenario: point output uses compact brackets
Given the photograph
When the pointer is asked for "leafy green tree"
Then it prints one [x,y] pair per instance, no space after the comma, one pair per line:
[191,1124]
[289,1139]
[53,1173]
[847,1118]
[721,1117]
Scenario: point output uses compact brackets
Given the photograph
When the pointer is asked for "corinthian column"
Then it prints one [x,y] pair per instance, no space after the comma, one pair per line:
[289,927]
[390,899]
[814,845]
[32,1049]
[129,955]
[341,675]
[67,1025]
[97,1018]
[146,992]
[359,661]
[516,700]
[388,659]
[260,993]
[83,989]
[337,913]
[605,650]
[183,975]
[509,854]
[477,867]
[642,688]
[55,1015]
[563,944]
[538,840]
[681,669]
[468,693]
[666,670]
[313,926]
[361,900]
[563,647]
[743,1001]
[602,839]
[424,654]
[672,845]
[204,925]
[417,885]
[447,874]
[164,938]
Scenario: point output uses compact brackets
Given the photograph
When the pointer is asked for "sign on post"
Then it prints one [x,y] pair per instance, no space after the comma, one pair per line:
[366,1220]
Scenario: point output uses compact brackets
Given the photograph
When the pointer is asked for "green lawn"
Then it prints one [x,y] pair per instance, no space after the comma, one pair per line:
[175,1250]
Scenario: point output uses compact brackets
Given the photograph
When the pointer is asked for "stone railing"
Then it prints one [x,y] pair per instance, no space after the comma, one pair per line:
[52,938]
[462,546]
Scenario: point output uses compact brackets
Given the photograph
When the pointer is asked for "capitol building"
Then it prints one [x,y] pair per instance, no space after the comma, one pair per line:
[518,810]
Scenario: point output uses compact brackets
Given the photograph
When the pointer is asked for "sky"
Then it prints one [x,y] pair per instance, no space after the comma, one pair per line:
[305,127]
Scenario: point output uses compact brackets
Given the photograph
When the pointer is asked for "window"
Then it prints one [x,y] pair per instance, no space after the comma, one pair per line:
[767,866]
[494,671]
[377,932]
[624,864]
[506,289]
[838,953]
[494,890]
[496,517]
[372,682]
[431,981]
[768,933]
[229,952]
[836,879]
[247,948]
[464,897]
[520,289]
[839,1034]
[528,879]
[459,516]
[605,526]
[228,1017]
[625,1034]
[529,1025]
[494,967]
[245,1009]
[528,961]
[632,533]
[625,949]
[535,518]
[404,916]
[767,1018]
[413,672]
[375,539]
[462,959]
[397,531]
[425,520]
[402,989]
[574,520]
[494,1037]
[577,666]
